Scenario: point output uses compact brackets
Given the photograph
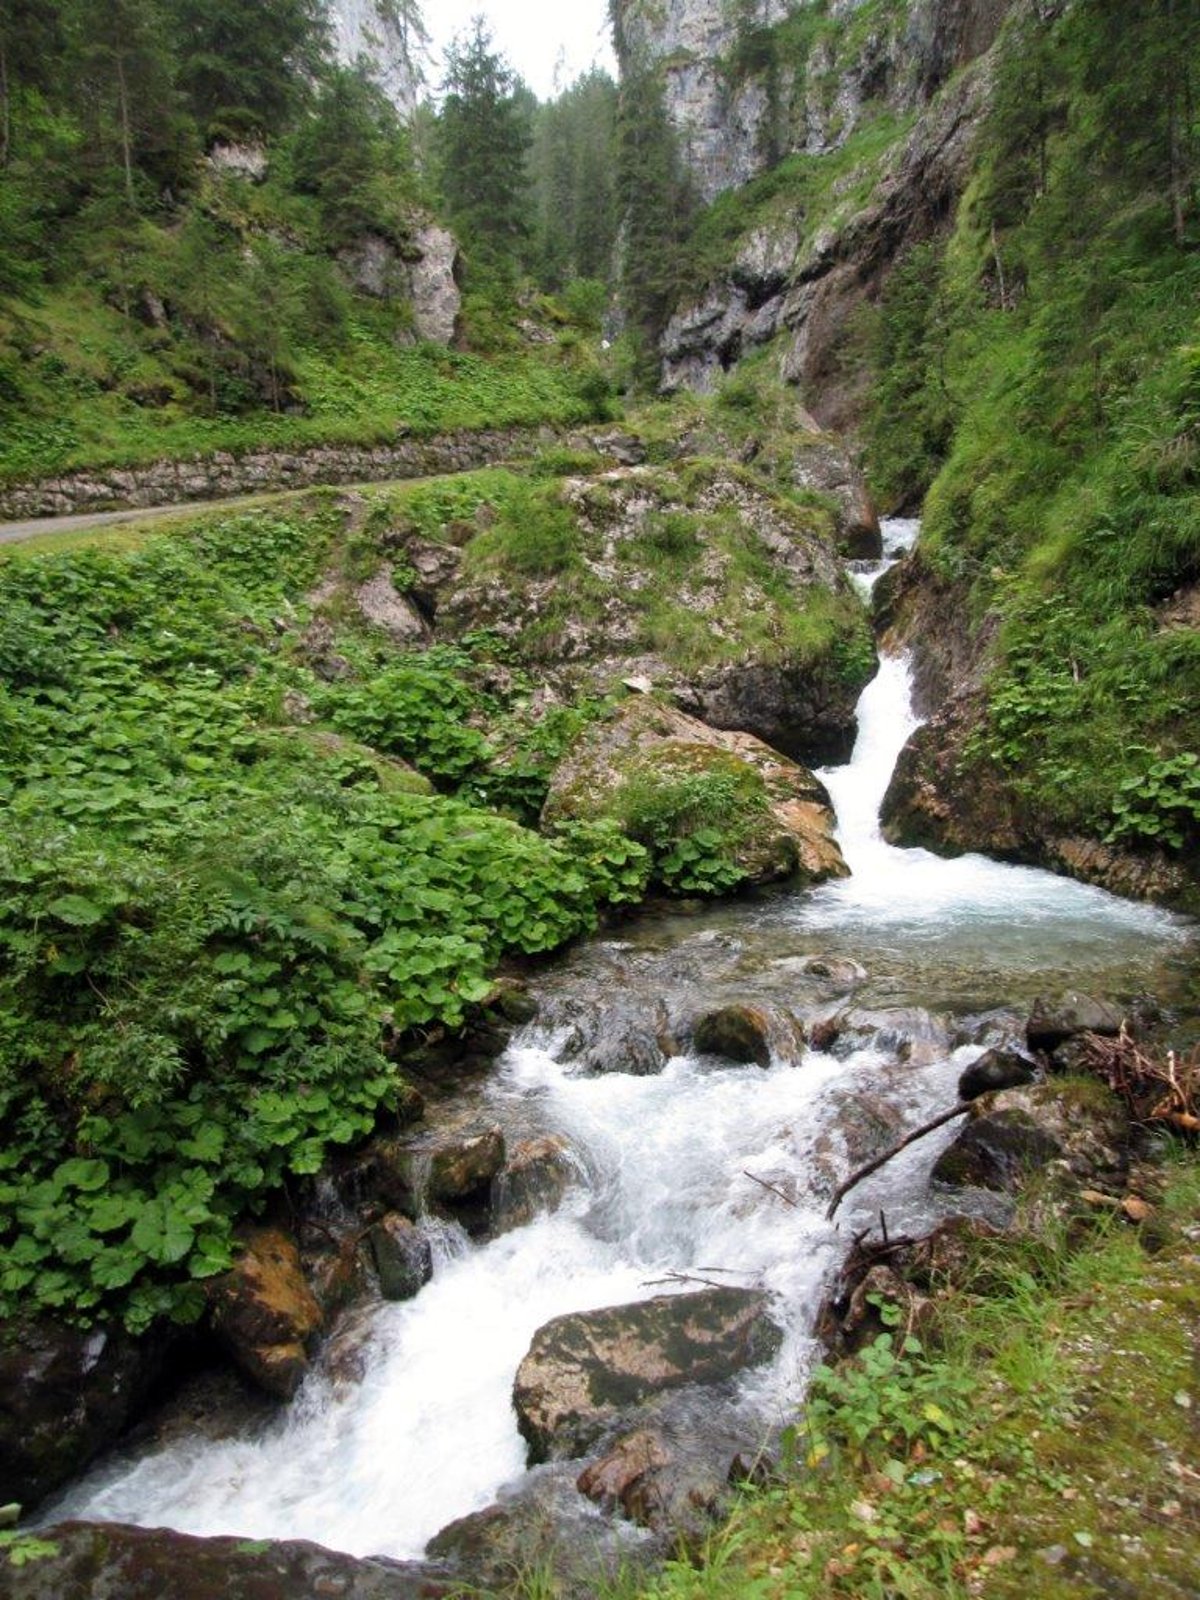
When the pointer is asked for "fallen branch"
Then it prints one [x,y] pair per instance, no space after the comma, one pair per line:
[690,1277]
[1154,1088]
[855,1178]
[770,1187]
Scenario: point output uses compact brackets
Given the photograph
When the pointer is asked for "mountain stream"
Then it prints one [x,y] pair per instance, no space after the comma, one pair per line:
[927,961]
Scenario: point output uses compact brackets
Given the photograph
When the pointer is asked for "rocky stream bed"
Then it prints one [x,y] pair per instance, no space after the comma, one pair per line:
[555,1319]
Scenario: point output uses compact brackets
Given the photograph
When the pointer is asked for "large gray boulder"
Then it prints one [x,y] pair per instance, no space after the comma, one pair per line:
[585,1371]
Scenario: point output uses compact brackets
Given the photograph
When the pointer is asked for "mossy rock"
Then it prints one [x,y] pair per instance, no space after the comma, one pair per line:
[667,778]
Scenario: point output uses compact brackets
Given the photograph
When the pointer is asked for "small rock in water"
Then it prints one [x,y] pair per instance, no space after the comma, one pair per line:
[738,1033]
[998,1069]
[402,1256]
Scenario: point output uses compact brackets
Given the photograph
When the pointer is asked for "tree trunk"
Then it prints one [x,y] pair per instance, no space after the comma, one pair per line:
[126,134]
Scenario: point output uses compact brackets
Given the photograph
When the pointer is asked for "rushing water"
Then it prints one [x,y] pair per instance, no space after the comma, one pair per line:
[429,1434]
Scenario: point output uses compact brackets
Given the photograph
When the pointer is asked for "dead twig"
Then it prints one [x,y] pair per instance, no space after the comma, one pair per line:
[1154,1088]
[770,1187]
[855,1178]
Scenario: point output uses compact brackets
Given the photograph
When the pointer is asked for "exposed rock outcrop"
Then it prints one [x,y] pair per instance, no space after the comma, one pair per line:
[584,1371]
[945,800]
[701,575]
[1081,1129]
[651,744]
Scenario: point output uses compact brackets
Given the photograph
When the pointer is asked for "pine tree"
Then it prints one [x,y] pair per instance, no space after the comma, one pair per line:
[483,138]
[249,62]
[657,208]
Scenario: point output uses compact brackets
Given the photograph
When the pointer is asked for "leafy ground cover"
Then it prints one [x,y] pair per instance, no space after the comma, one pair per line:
[227,897]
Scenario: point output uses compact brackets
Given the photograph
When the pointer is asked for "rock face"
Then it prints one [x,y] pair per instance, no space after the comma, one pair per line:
[583,1371]
[370,31]
[746,86]
[721,127]
[649,743]
[265,1313]
[65,1394]
[433,284]
[92,1560]
[424,273]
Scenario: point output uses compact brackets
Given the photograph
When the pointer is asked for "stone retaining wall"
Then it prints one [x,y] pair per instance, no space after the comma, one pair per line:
[223,474]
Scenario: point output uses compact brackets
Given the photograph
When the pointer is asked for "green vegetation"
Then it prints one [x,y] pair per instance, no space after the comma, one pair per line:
[1039,370]
[224,899]
[695,809]
[207,233]
[1038,1440]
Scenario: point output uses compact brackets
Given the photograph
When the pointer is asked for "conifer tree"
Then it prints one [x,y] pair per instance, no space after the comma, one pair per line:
[483,139]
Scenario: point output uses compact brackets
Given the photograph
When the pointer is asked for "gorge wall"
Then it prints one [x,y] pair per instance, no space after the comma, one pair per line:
[867,99]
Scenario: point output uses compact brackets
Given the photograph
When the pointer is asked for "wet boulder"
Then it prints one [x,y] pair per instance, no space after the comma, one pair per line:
[626,1036]
[462,1164]
[673,1473]
[402,1256]
[90,1560]
[1080,1129]
[1052,1022]
[585,1370]
[451,1165]
[264,1312]
[995,1069]
[533,1180]
[65,1394]
[909,1033]
[539,1525]
[737,1033]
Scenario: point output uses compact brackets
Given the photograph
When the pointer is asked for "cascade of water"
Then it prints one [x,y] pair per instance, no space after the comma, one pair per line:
[429,1435]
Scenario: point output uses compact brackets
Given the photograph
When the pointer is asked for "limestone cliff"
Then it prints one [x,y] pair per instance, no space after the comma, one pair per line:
[372,31]
[866,100]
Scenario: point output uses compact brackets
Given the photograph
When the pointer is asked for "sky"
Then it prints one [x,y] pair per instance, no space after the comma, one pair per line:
[530,33]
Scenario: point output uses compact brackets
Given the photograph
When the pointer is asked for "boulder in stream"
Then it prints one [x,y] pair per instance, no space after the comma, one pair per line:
[585,1370]
[737,1033]
[402,1256]
[95,1560]
[265,1313]
[533,1180]
[780,823]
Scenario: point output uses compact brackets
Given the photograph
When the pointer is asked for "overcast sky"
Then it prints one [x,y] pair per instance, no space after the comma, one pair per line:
[531,33]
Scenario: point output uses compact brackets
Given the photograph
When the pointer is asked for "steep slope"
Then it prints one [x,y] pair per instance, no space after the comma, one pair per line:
[969,234]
